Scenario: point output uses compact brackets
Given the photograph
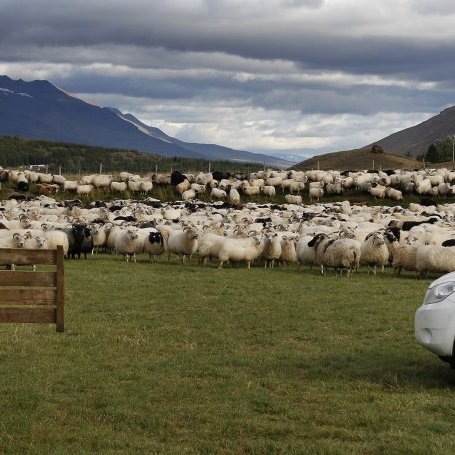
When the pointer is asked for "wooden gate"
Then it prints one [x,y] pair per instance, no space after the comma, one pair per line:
[28,296]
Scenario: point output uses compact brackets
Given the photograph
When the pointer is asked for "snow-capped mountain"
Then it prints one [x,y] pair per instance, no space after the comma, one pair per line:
[39,110]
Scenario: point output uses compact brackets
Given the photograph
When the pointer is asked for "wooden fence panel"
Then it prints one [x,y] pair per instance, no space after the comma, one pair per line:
[36,297]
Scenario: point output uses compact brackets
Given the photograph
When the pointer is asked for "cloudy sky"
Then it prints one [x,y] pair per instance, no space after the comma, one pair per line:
[298,77]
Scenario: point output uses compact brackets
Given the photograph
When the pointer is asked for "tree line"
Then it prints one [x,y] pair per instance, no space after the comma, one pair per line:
[441,151]
[16,152]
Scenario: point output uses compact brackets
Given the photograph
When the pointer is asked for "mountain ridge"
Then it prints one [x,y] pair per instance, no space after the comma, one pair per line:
[40,110]
[414,140]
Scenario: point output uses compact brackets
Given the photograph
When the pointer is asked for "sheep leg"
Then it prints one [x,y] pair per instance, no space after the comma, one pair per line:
[221,265]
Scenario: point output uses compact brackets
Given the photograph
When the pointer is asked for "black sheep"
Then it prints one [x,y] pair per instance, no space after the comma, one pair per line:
[220,175]
[177,177]
[80,240]
[408,225]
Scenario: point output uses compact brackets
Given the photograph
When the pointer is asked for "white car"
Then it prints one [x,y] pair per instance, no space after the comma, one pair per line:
[435,319]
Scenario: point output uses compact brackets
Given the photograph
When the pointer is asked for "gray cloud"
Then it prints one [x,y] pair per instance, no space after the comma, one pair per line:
[267,63]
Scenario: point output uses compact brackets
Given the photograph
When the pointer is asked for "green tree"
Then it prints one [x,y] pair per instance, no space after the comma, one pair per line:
[433,155]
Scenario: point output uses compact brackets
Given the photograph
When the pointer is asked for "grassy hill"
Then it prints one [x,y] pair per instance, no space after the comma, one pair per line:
[356,160]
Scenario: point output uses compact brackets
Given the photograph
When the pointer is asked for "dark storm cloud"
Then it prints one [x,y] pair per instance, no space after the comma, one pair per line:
[263,37]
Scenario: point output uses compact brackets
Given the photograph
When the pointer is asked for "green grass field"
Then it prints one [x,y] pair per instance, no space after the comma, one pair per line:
[171,358]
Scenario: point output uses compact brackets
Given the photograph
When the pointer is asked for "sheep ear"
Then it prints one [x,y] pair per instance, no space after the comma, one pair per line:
[16,235]
[28,235]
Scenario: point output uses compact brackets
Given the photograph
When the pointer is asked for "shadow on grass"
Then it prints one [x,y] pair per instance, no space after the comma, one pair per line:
[390,370]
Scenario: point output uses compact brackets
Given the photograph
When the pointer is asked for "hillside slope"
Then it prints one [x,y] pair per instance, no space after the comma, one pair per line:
[357,160]
[416,139]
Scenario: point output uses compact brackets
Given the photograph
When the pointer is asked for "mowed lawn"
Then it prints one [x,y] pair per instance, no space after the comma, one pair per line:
[171,358]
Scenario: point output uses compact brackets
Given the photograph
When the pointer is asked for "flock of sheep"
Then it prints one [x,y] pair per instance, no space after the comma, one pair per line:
[391,184]
[337,236]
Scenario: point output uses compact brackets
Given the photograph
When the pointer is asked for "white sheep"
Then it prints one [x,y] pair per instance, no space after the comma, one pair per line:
[334,188]
[56,237]
[433,258]
[271,250]
[336,253]
[288,250]
[305,253]
[18,239]
[292,186]
[319,185]
[274,181]
[293,199]
[84,189]
[315,193]
[125,176]
[209,246]
[250,190]
[188,194]
[268,190]
[86,179]
[237,250]
[343,254]
[171,214]
[128,243]
[134,185]
[404,258]
[113,232]
[70,185]
[374,252]
[182,242]
[394,194]
[58,179]
[45,178]
[234,196]
[99,236]
[378,191]
[101,181]
[198,188]
[146,186]
[216,193]
[183,186]
[119,187]
[423,187]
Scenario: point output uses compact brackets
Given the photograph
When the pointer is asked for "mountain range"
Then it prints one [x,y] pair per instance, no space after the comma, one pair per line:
[414,141]
[40,110]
